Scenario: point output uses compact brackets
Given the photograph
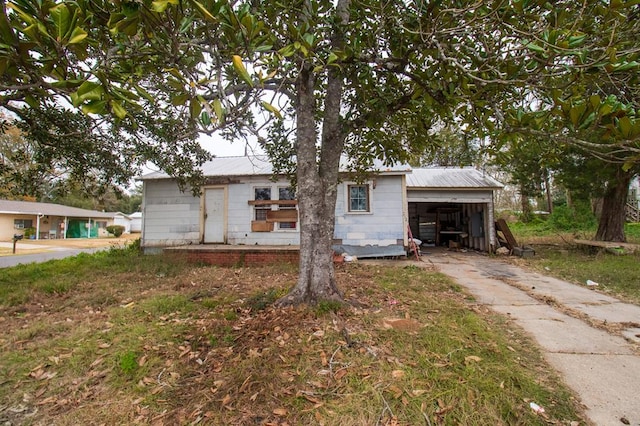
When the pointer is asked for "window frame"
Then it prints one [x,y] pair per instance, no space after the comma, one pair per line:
[368,198]
[23,223]
[263,209]
[288,226]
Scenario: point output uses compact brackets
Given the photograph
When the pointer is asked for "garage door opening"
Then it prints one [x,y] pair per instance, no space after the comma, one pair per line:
[459,225]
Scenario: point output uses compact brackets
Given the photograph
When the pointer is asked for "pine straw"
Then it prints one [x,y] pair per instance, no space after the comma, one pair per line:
[209,348]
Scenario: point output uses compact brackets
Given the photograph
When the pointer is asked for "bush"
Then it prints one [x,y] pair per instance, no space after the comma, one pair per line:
[580,218]
[116,230]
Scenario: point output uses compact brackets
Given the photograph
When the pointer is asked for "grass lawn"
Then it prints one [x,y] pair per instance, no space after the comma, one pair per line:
[117,338]
[618,275]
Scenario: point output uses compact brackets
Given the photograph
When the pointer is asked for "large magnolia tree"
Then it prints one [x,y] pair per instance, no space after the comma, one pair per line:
[311,80]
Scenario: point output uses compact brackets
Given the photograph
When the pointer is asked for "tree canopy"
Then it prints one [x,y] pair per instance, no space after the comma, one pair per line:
[313,80]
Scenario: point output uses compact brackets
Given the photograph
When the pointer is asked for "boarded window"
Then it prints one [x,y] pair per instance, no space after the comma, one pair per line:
[287,193]
[262,194]
[358,198]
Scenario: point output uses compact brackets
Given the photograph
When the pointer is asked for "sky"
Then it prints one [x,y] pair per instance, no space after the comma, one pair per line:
[223,148]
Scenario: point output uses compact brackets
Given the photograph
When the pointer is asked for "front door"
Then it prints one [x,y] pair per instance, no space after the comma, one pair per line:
[214,215]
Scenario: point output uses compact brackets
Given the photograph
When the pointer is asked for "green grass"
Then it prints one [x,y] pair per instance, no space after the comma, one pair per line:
[183,343]
[555,255]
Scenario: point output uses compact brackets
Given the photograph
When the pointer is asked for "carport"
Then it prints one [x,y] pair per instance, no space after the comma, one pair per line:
[452,207]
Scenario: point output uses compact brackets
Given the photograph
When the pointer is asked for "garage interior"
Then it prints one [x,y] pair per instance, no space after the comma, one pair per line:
[453,225]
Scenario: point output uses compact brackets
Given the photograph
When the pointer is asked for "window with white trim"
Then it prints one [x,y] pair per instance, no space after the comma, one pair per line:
[359,198]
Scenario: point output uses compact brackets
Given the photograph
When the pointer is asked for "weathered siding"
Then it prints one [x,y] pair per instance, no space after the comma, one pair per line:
[384,225]
[449,196]
[170,217]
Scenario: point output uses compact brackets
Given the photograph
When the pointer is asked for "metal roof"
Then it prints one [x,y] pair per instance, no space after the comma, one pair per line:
[50,209]
[451,177]
[261,166]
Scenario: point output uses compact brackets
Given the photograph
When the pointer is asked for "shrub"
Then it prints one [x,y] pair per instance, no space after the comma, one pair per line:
[580,217]
[116,230]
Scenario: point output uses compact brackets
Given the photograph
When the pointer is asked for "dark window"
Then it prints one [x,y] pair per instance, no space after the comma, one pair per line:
[358,198]
[287,194]
[262,194]
[22,223]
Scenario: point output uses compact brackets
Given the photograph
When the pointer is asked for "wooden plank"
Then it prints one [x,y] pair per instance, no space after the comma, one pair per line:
[289,215]
[273,202]
[629,247]
[501,225]
[261,226]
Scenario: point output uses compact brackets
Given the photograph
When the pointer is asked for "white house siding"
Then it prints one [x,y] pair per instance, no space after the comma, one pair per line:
[170,217]
[123,220]
[384,225]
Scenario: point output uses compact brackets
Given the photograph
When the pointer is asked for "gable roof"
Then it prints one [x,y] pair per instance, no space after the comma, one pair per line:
[50,209]
[261,166]
[450,177]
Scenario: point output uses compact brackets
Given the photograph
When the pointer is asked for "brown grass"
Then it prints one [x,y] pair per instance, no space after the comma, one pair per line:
[203,345]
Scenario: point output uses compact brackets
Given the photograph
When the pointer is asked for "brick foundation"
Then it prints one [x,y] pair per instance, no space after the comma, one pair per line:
[235,257]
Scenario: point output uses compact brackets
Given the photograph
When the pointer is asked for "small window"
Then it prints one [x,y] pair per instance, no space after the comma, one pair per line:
[262,194]
[287,194]
[358,198]
[22,223]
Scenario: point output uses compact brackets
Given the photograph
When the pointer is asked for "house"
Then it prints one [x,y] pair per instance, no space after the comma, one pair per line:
[243,204]
[136,222]
[123,220]
[48,220]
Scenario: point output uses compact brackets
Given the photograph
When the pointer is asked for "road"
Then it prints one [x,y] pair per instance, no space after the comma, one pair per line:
[45,250]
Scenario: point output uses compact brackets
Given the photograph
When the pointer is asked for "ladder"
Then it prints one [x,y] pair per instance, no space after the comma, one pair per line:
[412,244]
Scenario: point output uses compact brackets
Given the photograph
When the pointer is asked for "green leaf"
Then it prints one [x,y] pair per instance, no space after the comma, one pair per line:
[271,109]
[88,91]
[144,93]
[179,99]
[77,35]
[95,107]
[535,47]
[118,109]
[203,10]
[575,113]
[161,5]
[61,17]
[241,70]
[217,108]
[595,101]
[205,118]
[625,126]
[195,108]
[625,66]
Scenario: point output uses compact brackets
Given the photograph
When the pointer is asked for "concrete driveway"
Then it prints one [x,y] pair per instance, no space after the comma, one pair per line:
[591,339]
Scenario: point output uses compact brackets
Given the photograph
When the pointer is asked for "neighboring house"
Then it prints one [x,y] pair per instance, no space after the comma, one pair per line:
[123,220]
[47,220]
[242,204]
[136,222]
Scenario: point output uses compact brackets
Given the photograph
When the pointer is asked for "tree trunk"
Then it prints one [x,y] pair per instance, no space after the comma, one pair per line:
[547,187]
[317,177]
[525,204]
[612,217]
